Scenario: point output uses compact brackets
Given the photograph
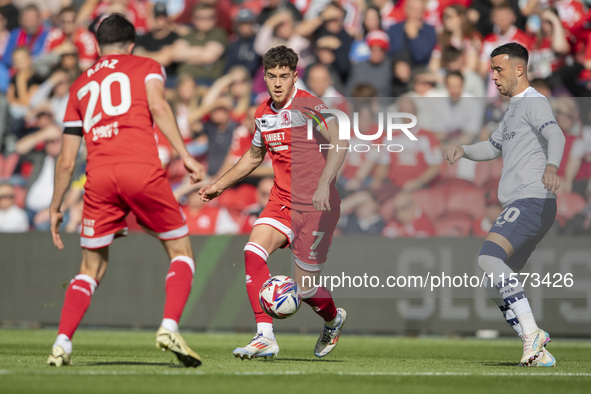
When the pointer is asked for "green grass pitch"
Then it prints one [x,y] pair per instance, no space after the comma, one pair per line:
[110,361]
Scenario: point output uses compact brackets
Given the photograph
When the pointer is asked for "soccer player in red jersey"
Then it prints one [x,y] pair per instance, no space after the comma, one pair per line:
[114,106]
[304,206]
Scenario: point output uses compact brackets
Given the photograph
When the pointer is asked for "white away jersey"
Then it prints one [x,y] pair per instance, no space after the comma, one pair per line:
[524,148]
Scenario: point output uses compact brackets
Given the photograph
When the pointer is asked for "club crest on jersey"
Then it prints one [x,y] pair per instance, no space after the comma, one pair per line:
[285,118]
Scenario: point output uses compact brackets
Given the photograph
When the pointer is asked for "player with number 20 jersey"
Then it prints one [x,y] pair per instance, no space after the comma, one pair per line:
[108,104]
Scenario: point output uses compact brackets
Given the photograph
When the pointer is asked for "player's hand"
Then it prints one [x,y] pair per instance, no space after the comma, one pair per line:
[320,199]
[56,218]
[210,192]
[453,153]
[195,169]
[550,180]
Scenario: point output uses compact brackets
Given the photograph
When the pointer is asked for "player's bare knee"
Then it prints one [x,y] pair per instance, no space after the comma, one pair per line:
[94,262]
[178,247]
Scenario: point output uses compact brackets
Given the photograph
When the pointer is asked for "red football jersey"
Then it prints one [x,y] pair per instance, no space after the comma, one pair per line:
[109,102]
[297,161]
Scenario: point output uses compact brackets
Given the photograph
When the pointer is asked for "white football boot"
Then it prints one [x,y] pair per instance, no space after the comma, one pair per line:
[330,336]
[533,344]
[173,341]
[543,359]
[58,357]
[260,346]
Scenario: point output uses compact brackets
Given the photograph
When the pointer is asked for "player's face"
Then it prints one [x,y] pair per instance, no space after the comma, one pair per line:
[504,74]
[280,84]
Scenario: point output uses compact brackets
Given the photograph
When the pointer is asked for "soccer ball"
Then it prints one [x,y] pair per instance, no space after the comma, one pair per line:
[280,297]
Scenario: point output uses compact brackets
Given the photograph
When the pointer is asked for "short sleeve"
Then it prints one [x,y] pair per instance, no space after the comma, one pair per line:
[72,119]
[155,71]
[257,138]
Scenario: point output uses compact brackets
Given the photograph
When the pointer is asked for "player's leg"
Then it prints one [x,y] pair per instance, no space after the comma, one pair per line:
[77,301]
[179,281]
[310,249]
[525,222]
[492,259]
[145,189]
[321,301]
[263,241]
[508,314]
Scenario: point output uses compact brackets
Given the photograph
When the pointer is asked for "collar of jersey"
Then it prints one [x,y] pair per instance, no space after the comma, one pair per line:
[522,94]
[286,105]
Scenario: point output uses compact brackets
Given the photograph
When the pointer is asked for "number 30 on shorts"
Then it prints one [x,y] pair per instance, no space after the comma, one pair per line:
[509,214]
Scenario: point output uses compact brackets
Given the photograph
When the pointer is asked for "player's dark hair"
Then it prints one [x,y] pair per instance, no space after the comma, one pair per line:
[115,29]
[513,50]
[280,56]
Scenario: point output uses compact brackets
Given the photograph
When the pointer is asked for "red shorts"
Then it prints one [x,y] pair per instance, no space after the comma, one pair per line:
[309,233]
[111,192]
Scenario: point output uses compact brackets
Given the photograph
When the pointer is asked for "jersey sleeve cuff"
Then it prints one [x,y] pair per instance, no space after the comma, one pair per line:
[154,76]
[73,131]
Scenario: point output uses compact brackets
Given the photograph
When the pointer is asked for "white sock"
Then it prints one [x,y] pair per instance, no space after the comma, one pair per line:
[511,319]
[170,325]
[65,342]
[505,310]
[527,322]
[334,322]
[266,329]
[510,290]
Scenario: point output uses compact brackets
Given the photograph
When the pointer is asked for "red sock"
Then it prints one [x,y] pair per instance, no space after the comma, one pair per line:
[322,303]
[257,272]
[76,303]
[179,282]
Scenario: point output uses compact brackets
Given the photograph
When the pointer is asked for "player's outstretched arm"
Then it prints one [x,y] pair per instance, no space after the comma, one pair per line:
[247,164]
[166,122]
[64,168]
[453,153]
[334,160]
[481,151]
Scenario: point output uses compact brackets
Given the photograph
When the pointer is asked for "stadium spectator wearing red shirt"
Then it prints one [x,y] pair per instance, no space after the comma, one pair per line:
[408,220]
[68,32]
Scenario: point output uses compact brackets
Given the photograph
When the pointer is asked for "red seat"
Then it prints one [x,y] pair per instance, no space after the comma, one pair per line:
[567,206]
[487,171]
[464,198]
[453,224]
[431,201]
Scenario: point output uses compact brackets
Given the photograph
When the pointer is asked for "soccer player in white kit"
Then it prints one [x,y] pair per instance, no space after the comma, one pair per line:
[532,145]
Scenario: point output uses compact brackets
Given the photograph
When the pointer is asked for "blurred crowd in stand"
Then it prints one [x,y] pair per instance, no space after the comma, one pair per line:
[430,58]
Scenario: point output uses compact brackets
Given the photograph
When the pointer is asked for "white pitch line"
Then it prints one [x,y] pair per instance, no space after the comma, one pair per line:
[70,371]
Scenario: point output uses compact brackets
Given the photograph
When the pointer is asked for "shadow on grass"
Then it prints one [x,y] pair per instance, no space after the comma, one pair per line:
[503,364]
[111,363]
[313,360]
